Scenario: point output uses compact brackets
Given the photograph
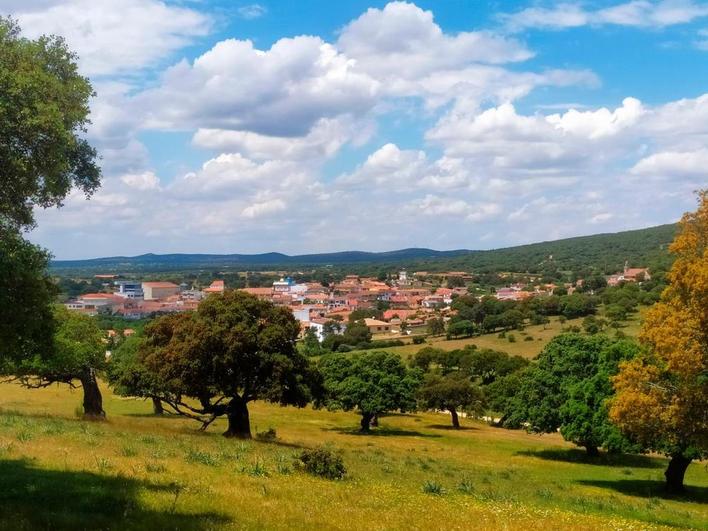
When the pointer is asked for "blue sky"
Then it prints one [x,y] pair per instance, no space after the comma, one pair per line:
[322,126]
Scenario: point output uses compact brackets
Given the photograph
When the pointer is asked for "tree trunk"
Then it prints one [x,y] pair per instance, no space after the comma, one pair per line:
[675,472]
[592,450]
[375,421]
[93,401]
[455,418]
[157,408]
[366,422]
[239,422]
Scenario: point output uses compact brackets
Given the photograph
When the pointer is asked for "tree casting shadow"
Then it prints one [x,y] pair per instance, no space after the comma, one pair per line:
[450,427]
[383,432]
[647,488]
[35,498]
[580,456]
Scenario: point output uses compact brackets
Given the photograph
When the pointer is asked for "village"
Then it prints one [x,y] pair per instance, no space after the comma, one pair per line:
[406,302]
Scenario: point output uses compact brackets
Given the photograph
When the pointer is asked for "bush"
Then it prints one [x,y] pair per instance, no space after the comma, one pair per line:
[268,435]
[323,463]
[344,348]
[432,487]
[528,338]
[418,340]
[511,338]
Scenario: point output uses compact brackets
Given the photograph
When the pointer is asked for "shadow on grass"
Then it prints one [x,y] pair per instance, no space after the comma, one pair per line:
[647,488]
[383,432]
[581,456]
[35,498]
[450,427]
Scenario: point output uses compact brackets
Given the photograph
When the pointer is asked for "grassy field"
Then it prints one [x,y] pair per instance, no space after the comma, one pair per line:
[540,335]
[136,471]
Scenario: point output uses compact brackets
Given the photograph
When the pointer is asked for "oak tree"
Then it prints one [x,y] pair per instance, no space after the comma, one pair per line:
[662,396]
[234,349]
[373,383]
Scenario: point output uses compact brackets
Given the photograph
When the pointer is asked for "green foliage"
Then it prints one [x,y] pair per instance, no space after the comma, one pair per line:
[373,383]
[453,392]
[568,388]
[26,293]
[44,112]
[234,349]
[323,462]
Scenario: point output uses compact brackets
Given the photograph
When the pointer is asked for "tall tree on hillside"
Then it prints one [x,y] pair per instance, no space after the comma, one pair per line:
[662,396]
[44,107]
[128,375]
[373,383]
[78,354]
[453,392]
[567,389]
[234,349]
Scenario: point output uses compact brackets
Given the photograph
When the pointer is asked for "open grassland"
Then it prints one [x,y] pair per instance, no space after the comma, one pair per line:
[136,471]
[540,335]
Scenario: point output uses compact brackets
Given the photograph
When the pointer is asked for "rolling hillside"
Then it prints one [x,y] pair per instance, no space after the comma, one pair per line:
[601,251]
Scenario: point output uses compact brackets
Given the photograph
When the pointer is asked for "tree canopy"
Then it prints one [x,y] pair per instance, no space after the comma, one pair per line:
[234,349]
[44,107]
[373,382]
[26,294]
[662,396]
[453,392]
[567,388]
[78,352]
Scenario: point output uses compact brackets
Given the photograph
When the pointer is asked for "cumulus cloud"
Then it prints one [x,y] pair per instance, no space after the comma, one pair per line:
[114,37]
[146,180]
[674,164]
[282,91]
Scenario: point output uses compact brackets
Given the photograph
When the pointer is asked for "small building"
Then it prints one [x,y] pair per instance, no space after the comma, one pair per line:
[153,291]
[129,289]
[377,327]
[216,286]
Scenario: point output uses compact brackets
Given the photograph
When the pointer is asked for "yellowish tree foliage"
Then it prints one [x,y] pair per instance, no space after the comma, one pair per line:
[662,396]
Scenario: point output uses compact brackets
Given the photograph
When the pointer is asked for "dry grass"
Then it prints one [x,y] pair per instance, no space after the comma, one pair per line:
[136,471]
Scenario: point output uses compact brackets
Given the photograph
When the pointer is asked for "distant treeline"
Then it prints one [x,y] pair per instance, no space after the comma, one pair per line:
[571,257]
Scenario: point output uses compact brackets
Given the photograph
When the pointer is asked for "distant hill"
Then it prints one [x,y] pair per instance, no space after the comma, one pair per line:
[601,251]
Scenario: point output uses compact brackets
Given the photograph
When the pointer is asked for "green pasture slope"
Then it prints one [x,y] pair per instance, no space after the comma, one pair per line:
[136,471]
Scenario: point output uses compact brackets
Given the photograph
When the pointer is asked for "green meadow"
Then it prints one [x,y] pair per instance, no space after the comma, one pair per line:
[137,471]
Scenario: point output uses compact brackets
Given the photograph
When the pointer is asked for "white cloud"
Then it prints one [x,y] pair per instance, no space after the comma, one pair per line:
[146,180]
[263,208]
[282,91]
[638,13]
[251,11]
[114,37]
[674,165]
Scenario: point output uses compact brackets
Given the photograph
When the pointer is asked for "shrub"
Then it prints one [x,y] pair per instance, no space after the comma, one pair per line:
[268,435]
[203,458]
[344,348]
[323,462]
[511,338]
[432,487]
[528,338]
[418,340]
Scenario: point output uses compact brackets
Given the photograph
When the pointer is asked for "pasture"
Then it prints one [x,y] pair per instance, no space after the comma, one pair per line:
[137,471]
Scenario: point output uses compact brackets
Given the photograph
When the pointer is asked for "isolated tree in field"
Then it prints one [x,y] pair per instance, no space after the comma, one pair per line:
[234,349]
[130,377]
[373,383]
[43,111]
[78,353]
[567,389]
[436,326]
[453,392]
[662,396]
